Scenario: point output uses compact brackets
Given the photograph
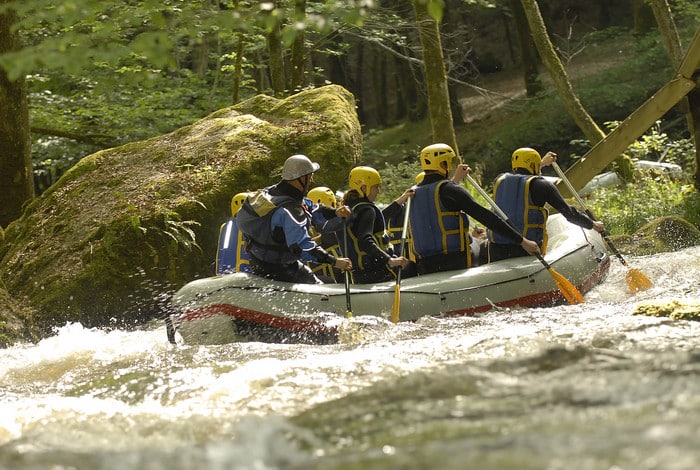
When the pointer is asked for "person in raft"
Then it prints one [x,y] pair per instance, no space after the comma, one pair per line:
[521,194]
[232,256]
[324,231]
[276,226]
[440,236]
[368,242]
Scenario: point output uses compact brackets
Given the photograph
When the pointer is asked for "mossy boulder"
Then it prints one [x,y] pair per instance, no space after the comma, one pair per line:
[15,320]
[662,234]
[124,228]
[673,309]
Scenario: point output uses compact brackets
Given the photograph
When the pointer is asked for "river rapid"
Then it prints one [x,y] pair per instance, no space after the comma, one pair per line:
[588,386]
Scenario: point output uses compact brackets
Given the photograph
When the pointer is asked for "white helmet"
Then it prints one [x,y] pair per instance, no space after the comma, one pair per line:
[297,166]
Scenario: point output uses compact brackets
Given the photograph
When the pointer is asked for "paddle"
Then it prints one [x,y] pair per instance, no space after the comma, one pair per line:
[636,280]
[568,290]
[397,289]
[347,273]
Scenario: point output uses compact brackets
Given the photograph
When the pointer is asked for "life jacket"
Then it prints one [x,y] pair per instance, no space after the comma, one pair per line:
[329,242]
[434,229]
[512,195]
[255,221]
[361,259]
[232,256]
[394,228]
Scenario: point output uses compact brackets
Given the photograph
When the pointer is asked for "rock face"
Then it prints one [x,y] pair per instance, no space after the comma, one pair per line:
[126,227]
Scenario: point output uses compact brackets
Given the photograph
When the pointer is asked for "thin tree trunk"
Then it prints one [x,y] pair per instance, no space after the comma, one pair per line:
[238,69]
[16,176]
[528,51]
[556,70]
[669,35]
[435,77]
[298,49]
[274,49]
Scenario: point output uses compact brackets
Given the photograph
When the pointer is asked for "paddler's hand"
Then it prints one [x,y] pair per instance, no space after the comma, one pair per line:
[461,172]
[549,158]
[343,211]
[344,264]
[401,200]
[399,262]
[531,247]
[599,226]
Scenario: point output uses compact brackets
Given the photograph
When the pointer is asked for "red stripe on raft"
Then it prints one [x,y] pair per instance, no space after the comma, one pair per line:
[259,318]
[538,299]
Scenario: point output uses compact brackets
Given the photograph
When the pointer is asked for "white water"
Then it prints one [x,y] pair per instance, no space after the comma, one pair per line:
[586,386]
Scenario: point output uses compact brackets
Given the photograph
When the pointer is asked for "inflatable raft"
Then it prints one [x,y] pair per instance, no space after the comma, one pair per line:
[244,307]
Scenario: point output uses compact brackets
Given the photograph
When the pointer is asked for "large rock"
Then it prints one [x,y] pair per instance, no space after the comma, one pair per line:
[125,227]
[661,235]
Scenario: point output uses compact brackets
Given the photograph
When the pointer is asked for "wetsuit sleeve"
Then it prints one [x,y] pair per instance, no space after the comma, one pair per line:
[326,211]
[543,191]
[293,222]
[456,198]
[325,219]
[392,210]
[362,227]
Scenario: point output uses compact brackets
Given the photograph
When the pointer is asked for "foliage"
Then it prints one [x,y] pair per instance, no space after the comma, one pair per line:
[651,194]
[625,210]
[101,74]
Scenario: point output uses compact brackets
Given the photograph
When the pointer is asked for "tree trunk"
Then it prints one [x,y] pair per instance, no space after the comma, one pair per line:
[643,17]
[528,51]
[16,176]
[238,69]
[556,70]
[691,103]
[439,110]
[694,106]
[276,63]
[298,79]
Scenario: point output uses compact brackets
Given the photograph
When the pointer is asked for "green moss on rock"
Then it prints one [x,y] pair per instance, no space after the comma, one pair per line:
[674,309]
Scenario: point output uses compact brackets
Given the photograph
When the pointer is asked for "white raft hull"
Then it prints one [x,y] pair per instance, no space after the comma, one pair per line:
[240,306]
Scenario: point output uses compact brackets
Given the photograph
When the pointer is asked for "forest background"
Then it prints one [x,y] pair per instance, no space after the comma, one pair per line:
[96,74]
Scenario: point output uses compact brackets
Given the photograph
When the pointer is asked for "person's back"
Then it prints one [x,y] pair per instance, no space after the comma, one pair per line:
[276,224]
[440,237]
[522,195]
[232,255]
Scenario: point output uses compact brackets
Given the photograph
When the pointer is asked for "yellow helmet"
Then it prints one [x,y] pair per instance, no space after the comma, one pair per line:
[323,195]
[363,176]
[237,202]
[419,178]
[432,156]
[526,158]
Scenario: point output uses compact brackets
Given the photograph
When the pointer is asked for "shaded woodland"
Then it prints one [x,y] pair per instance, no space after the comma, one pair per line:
[91,84]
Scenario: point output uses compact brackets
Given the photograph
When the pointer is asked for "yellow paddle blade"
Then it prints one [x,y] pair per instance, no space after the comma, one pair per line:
[637,281]
[349,314]
[397,303]
[568,290]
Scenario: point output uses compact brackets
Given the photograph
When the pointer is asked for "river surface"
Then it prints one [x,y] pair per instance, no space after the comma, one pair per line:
[570,387]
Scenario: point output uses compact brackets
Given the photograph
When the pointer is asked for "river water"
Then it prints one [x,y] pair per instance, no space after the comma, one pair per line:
[571,387]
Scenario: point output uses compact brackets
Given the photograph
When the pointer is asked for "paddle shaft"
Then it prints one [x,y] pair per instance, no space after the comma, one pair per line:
[404,232]
[588,212]
[347,274]
[397,289]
